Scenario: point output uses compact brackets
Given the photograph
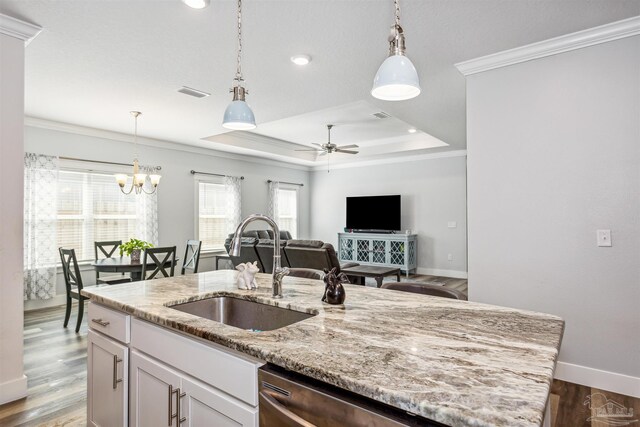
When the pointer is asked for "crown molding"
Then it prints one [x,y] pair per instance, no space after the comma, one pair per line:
[35,122]
[389,160]
[581,39]
[19,29]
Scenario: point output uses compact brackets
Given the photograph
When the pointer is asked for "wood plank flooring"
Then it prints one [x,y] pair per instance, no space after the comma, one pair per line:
[55,364]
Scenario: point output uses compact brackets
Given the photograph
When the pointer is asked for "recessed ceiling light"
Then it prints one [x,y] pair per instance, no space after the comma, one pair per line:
[196,4]
[301,59]
[412,130]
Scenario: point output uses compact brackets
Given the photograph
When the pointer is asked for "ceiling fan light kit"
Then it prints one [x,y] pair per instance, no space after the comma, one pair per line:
[238,115]
[397,78]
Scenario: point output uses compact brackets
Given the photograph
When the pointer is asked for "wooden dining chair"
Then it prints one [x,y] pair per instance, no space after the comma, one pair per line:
[191,256]
[73,284]
[154,261]
[107,249]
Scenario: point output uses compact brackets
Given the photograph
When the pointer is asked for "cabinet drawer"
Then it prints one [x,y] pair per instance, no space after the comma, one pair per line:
[232,372]
[110,322]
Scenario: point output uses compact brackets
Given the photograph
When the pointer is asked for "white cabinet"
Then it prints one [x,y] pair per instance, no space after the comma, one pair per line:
[160,395]
[107,381]
[384,250]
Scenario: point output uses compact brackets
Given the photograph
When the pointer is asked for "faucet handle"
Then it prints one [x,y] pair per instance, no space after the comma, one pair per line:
[279,274]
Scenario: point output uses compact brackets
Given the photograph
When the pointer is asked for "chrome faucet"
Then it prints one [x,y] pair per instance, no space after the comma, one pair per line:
[278,271]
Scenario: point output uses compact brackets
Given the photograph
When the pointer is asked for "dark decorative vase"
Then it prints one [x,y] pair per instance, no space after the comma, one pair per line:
[334,292]
[135,255]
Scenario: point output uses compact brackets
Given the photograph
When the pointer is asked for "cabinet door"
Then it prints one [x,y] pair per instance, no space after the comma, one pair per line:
[107,382]
[204,406]
[154,389]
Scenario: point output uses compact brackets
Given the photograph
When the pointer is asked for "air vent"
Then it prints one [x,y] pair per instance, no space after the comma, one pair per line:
[193,92]
[381,115]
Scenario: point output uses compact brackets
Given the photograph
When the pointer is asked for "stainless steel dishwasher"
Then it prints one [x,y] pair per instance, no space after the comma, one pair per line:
[288,399]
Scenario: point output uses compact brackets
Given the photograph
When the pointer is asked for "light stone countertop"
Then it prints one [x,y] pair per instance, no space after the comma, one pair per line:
[455,362]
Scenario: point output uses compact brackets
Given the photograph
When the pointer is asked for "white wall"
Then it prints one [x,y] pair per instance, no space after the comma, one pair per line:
[553,155]
[433,193]
[13,383]
[176,202]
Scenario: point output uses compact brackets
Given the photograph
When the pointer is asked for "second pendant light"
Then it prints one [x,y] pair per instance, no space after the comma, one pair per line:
[238,115]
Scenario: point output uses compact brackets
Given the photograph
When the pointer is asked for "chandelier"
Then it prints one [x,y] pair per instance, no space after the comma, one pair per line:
[139,172]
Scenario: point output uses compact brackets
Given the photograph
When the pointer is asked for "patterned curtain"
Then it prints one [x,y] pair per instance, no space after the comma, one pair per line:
[147,215]
[40,217]
[273,199]
[233,189]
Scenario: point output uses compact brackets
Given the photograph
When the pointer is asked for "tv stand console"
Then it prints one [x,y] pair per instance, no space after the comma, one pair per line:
[388,250]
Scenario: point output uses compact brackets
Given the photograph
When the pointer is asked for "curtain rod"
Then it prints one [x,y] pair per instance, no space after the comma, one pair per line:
[75,159]
[285,182]
[212,174]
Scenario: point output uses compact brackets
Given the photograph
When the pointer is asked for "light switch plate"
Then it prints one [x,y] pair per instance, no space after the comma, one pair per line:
[604,238]
[452,224]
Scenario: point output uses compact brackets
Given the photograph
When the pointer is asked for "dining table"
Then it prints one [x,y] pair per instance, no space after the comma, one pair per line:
[125,264]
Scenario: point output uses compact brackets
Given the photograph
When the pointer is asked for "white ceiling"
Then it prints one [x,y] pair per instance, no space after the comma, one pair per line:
[97,60]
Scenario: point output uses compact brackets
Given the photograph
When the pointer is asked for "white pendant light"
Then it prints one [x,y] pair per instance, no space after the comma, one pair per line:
[397,78]
[238,115]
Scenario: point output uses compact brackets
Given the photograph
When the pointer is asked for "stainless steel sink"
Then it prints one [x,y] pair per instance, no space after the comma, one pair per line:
[243,314]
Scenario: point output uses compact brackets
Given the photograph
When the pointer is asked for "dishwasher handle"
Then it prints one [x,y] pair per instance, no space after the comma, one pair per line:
[285,416]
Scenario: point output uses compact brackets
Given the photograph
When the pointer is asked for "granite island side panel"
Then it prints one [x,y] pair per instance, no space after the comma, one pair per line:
[456,362]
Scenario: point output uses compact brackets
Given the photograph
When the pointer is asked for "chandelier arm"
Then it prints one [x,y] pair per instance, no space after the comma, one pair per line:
[127,192]
[149,192]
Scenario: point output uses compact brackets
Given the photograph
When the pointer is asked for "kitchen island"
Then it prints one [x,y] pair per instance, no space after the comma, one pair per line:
[456,362]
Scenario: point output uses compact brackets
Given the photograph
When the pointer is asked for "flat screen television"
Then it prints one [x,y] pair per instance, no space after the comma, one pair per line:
[375,213]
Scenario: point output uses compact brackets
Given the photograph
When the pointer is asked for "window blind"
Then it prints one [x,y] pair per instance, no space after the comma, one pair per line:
[92,208]
[288,210]
[212,215]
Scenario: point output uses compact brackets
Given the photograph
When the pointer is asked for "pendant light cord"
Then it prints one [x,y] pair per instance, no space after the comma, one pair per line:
[135,137]
[397,3]
[239,58]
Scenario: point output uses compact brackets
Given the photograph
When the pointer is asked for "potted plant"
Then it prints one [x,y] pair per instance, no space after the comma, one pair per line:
[133,248]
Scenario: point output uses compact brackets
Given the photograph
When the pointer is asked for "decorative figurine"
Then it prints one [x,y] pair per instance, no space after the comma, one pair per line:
[334,292]
[247,276]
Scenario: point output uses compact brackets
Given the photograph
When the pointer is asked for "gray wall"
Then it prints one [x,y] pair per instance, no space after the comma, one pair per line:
[433,193]
[176,203]
[553,155]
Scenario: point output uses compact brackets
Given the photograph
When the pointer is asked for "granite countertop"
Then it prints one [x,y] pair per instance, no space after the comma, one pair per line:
[455,362]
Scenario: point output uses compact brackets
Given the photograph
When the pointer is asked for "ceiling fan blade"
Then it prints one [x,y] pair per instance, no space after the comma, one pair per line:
[308,149]
[338,150]
[348,146]
[315,143]
[324,153]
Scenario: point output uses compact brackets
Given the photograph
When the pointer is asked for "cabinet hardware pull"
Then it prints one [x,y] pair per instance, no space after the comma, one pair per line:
[177,414]
[171,416]
[116,360]
[178,397]
[100,322]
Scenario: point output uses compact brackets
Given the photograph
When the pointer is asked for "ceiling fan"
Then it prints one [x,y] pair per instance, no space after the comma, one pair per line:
[329,148]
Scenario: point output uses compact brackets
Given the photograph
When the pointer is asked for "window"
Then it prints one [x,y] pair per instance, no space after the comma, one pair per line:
[212,215]
[287,216]
[91,208]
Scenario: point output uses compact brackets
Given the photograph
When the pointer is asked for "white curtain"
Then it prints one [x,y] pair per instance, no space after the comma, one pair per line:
[40,217]
[233,190]
[273,199]
[147,215]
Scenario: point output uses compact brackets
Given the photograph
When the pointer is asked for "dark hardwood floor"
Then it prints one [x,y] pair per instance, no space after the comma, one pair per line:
[55,364]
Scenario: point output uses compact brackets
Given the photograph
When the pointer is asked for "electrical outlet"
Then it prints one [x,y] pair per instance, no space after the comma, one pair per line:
[604,238]
[450,257]
[452,224]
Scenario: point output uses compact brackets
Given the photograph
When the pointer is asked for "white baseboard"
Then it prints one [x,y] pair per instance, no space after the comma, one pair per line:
[37,304]
[604,380]
[444,273]
[13,390]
